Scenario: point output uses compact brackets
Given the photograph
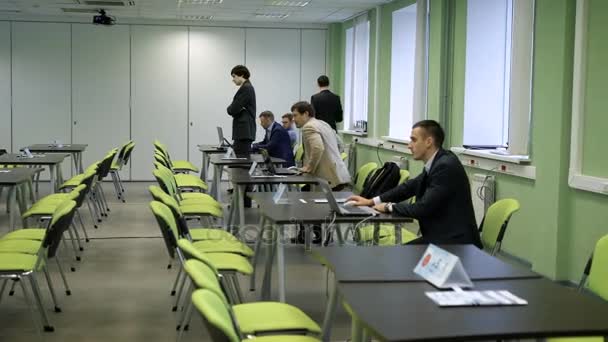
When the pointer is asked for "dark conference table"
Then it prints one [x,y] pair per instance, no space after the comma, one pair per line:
[75,150]
[52,160]
[12,178]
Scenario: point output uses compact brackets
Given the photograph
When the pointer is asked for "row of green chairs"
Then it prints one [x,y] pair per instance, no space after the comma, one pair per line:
[122,159]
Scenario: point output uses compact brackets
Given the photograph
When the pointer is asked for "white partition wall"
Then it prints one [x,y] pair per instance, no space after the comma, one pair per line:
[159,86]
[313,61]
[213,53]
[273,57]
[5,85]
[41,84]
[101,89]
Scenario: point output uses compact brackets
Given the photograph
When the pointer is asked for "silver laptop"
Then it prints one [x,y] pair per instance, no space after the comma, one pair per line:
[341,209]
[223,143]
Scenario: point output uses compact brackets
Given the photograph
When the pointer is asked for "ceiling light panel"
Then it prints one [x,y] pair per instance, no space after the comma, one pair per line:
[286,3]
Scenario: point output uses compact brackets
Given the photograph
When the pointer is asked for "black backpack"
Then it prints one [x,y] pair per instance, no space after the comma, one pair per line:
[382,180]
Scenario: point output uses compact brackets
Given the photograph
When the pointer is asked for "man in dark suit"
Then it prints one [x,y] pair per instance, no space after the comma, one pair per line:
[242,109]
[326,104]
[443,206]
[276,141]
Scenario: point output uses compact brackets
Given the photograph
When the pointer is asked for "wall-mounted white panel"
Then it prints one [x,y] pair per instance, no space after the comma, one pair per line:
[313,61]
[159,80]
[101,89]
[5,85]
[213,53]
[273,57]
[41,84]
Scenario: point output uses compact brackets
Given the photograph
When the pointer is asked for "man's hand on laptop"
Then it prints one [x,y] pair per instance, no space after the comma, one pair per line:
[305,169]
[360,201]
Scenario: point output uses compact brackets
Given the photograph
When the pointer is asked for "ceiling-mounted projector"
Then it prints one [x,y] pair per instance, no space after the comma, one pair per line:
[103,19]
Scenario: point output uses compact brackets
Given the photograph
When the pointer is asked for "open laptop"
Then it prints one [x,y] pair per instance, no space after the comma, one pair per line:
[341,209]
[223,143]
[276,170]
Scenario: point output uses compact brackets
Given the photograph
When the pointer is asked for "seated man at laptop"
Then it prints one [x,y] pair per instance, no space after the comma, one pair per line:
[276,141]
[443,206]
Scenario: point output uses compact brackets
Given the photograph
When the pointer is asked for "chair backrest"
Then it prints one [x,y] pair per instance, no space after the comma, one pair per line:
[299,153]
[127,155]
[60,222]
[362,174]
[167,225]
[122,151]
[159,158]
[166,180]
[161,196]
[404,175]
[105,165]
[78,194]
[495,222]
[216,316]
[343,155]
[597,280]
[204,276]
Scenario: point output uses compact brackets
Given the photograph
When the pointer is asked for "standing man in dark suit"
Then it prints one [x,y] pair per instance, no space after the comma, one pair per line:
[276,141]
[242,110]
[326,104]
[443,206]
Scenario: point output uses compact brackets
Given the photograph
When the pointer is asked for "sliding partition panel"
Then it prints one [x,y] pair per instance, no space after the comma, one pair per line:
[273,57]
[5,86]
[313,62]
[41,85]
[213,53]
[100,91]
[159,81]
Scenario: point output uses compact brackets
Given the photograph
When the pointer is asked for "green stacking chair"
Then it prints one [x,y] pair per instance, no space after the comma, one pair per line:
[18,262]
[257,318]
[495,222]
[299,155]
[223,328]
[177,165]
[210,240]
[121,160]
[361,176]
[167,181]
[595,280]
[184,181]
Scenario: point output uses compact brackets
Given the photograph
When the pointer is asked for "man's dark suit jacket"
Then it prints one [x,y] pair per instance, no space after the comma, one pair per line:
[277,144]
[443,207]
[327,107]
[242,110]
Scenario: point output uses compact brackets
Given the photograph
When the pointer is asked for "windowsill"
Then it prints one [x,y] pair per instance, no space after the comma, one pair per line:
[588,183]
[396,140]
[518,166]
[356,133]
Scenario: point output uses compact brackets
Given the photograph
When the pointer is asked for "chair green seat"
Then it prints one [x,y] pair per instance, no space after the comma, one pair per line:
[272,316]
[198,200]
[72,182]
[25,234]
[195,210]
[17,262]
[284,338]
[189,181]
[183,165]
[224,246]
[198,234]
[20,246]
[386,235]
[229,262]
[41,209]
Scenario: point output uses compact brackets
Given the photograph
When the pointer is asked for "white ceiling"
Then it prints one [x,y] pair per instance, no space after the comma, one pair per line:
[245,11]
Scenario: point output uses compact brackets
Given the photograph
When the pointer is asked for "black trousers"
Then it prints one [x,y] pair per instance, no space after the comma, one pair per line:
[242,149]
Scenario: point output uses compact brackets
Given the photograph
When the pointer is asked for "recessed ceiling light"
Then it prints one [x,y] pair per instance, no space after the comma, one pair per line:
[200,2]
[196,17]
[287,3]
[272,15]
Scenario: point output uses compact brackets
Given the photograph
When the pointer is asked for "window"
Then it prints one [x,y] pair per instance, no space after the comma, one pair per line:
[498,73]
[408,69]
[356,74]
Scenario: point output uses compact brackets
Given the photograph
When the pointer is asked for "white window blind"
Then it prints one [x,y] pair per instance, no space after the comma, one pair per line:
[356,73]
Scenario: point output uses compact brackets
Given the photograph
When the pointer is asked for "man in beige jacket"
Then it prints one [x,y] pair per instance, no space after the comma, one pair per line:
[321,155]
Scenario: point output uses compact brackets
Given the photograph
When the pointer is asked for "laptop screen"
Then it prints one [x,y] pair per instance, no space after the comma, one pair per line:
[330,196]
[220,135]
[268,161]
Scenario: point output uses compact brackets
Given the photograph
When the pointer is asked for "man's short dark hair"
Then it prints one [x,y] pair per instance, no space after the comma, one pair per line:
[303,107]
[241,70]
[323,81]
[267,114]
[432,128]
[289,116]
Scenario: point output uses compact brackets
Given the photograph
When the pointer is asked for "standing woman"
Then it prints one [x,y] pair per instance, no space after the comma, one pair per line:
[242,109]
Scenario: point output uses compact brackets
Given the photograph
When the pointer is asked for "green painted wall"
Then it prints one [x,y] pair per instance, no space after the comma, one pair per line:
[557,226]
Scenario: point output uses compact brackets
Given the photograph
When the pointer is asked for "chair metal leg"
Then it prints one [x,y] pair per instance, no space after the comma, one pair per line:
[36,290]
[13,285]
[3,288]
[68,291]
[102,196]
[51,288]
[115,182]
[183,280]
[185,321]
[84,229]
[73,228]
[179,273]
[30,306]
[122,188]
[186,302]
[74,246]
[92,213]
[65,245]
[230,290]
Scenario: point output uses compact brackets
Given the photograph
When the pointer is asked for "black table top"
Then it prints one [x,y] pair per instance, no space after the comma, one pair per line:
[397,263]
[52,149]
[211,149]
[17,175]
[402,312]
[39,159]
[311,213]
[241,176]
[217,159]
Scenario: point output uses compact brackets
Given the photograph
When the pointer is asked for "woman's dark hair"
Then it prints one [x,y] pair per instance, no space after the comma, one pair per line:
[241,70]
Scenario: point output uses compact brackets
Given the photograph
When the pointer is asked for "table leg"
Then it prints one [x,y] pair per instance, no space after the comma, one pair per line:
[53,181]
[75,161]
[204,166]
[59,177]
[330,311]
[12,205]
[270,250]
[398,238]
[281,262]
[256,253]
[240,189]
[376,233]
[80,166]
